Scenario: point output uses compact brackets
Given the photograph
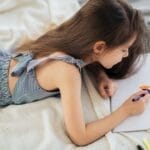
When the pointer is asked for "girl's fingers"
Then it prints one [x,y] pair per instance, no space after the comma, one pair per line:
[139,93]
[107,91]
[146,98]
[103,92]
[111,89]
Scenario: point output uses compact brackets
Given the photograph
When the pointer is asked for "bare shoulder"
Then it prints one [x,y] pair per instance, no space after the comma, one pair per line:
[67,79]
[66,73]
[55,74]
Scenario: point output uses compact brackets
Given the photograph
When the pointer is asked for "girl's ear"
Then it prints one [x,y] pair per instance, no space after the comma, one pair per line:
[99,47]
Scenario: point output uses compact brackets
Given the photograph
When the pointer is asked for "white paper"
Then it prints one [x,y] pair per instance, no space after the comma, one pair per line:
[126,88]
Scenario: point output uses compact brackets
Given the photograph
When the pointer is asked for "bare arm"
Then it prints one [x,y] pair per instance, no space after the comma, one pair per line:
[69,83]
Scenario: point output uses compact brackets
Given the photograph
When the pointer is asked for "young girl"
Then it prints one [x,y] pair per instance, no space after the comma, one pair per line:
[103,33]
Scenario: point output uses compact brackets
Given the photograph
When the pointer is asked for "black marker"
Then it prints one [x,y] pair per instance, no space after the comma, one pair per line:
[139,147]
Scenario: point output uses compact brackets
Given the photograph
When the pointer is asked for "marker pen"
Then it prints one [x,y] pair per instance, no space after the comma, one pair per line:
[136,98]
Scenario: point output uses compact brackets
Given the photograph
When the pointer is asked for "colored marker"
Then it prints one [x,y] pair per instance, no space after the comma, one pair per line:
[139,147]
[144,87]
[139,96]
[147,144]
[136,98]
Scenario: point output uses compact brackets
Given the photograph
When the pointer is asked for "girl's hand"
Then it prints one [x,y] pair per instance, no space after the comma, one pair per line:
[135,107]
[106,86]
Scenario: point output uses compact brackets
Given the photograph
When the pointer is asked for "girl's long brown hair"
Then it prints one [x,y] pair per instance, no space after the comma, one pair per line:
[112,21]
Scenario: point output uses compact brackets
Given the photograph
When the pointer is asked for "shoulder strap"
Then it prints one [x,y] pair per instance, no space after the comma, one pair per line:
[66,58]
[27,62]
[23,60]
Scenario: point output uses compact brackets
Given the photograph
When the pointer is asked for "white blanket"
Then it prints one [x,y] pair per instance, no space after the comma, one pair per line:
[40,125]
[23,20]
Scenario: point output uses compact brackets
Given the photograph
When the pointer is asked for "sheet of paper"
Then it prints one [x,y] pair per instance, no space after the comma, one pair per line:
[127,87]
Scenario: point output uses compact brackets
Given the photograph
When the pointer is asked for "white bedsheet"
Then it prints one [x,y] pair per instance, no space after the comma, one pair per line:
[22,20]
[39,125]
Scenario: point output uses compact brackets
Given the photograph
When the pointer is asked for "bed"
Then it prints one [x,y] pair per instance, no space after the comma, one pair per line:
[40,125]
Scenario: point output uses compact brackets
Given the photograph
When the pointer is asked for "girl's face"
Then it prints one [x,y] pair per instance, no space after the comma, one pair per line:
[111,56]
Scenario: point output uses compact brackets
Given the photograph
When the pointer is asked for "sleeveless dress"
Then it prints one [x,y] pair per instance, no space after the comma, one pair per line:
[27,89]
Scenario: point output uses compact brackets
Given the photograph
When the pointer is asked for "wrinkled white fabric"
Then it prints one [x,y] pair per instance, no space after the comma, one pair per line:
[40,125]
[26,20]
